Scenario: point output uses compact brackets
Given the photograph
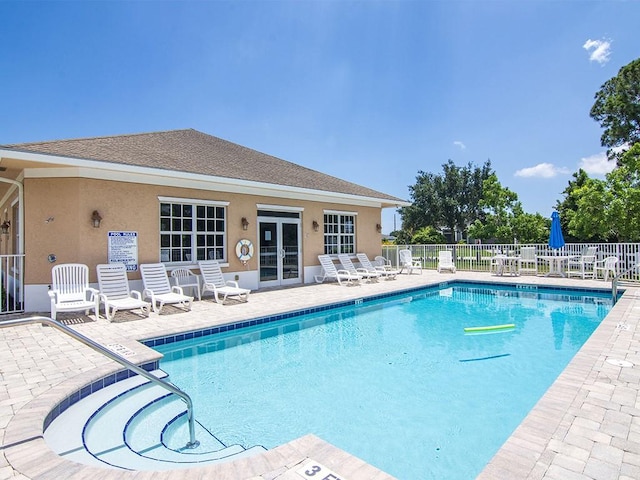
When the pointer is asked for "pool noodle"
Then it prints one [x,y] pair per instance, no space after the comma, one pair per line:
[490,328]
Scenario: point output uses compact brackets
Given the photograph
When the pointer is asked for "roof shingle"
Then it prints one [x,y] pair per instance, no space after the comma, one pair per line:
[195,152]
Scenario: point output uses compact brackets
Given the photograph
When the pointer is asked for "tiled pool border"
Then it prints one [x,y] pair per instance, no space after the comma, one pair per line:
[93,387]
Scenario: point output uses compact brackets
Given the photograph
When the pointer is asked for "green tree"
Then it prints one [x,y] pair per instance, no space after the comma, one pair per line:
[427,235]
[505,220]
[617,109]
[449,200]
[568,207]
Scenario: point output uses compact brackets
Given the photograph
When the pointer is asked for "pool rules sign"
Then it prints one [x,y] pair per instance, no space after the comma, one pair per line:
[123,248]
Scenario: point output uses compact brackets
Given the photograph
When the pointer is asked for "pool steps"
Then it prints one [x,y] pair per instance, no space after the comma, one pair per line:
[135,425]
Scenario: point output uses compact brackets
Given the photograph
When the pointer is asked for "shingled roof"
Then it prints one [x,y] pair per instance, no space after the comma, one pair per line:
[195,152]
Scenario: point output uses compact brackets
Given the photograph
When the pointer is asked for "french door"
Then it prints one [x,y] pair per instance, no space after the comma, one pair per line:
[279,246]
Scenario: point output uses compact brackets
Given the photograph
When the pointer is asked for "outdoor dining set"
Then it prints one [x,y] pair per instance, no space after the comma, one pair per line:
[583,265]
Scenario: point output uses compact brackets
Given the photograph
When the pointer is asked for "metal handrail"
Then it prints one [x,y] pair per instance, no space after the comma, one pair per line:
[614,281]
[193,443]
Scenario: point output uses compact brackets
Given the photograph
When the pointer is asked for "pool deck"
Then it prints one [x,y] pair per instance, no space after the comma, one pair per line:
[586,427]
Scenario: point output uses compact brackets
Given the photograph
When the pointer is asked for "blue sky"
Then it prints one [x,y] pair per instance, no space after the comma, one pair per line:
[371,92]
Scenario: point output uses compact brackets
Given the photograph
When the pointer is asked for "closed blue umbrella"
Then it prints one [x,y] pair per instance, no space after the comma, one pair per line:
[556,240]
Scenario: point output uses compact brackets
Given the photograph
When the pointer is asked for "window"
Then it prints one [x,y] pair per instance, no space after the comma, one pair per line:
[192,231]
[339,233]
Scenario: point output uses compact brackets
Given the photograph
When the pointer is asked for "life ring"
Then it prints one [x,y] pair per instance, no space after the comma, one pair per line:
[244,250]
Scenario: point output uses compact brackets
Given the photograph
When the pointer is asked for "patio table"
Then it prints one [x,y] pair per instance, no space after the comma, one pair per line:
[555,264]
[506,263]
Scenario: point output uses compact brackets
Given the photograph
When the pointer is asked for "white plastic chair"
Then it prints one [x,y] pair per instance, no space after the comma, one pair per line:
[331,272]
[382,270]
[70,290]
[115,293]
[445,261]
[348,265]
[528,261]
[406,261]
[582,265]
[213,281]
[185,278]
[159,290]
[606,266]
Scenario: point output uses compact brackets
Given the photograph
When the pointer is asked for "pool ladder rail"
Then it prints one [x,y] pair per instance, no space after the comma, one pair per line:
[616,280]
[192,443]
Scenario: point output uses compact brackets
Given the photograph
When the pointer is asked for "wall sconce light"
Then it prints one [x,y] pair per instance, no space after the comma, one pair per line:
[4,227]
[96,219]
[378,228]
[315,225]
[245,223]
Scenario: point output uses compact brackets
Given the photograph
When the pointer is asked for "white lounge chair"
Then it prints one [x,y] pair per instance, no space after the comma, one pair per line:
[331,272]
[385,272]
[115,293]
[159,290]
[445,261]
[365,274]
[582,265]
[185,278]
[213,281]
[70,290]
[606,266]
[528,261]
[406,261]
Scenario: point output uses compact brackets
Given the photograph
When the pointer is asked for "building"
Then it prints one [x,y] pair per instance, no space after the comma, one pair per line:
[173,197]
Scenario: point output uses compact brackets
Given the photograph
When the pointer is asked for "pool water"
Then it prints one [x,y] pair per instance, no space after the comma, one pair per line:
[396,382]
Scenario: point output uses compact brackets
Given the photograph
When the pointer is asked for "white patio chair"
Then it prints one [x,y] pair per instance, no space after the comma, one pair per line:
[385,272]
[365,274]
[582,265]
[70,290]
[185,278]
[159,290]
[445,261]
[606,266]
[213,281]
[406,261]
[115,293]
[528,261]
[331,272]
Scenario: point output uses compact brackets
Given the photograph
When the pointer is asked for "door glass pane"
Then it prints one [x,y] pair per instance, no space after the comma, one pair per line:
[268,251]
[290,247]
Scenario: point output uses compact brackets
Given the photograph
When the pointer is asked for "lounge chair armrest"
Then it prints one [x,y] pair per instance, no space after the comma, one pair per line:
[232,283]
[53,294]
[146,293]
[136,294]
[177,289]
[344,272]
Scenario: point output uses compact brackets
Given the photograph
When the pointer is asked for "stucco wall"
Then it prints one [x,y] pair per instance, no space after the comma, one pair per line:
[58,221]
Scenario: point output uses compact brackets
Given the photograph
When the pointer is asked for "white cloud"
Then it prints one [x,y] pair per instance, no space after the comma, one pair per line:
[599,50]
[542,170]
[458,143]
[597,164]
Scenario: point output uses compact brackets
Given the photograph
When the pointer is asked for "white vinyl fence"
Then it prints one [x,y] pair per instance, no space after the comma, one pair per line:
[477,257]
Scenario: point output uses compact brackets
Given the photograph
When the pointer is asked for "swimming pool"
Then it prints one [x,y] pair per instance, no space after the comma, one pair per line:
[394,381]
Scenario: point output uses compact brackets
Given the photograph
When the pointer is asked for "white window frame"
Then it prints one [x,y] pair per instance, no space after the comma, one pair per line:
[171,241]
[337,234]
